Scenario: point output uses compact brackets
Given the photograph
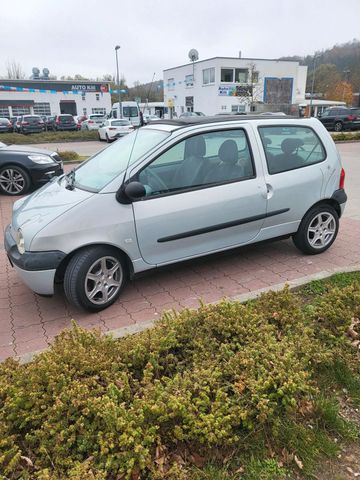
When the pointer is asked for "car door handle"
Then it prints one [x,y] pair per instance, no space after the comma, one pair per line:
[269,191]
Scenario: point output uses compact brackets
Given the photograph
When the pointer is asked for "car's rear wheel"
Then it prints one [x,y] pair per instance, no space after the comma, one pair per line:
[14,180]
[94,278]
[317,230]
[107,138]
[338,126]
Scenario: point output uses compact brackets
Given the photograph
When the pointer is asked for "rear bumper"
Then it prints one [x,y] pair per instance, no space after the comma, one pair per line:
[66,127]
[36,269]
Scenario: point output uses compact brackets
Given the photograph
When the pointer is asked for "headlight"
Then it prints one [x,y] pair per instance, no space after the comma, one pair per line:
[42,159]
[20,241]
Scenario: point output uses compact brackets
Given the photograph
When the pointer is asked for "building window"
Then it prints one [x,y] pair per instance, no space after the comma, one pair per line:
[189,80]
[227,75]
[83,96]
[99,111]
[42,109]
[171,83]
[97,96]
[84,111]
[255,77]
[223,107]
[237,108]
[208,76]
[241,75]
[20,110]
[4,112]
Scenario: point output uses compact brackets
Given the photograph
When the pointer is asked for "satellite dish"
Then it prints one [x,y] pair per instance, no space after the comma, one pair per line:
[35,71]
[45,72]
[193,55]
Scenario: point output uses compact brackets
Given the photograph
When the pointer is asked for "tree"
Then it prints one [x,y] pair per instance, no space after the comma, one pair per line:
[341,91]
[14,70]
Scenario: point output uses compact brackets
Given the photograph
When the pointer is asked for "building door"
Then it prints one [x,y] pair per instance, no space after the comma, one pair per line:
[68,107]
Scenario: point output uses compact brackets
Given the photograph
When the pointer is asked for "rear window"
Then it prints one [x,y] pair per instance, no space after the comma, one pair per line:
[130,112]
[32,119]
[120,123]
[290,147]
[4,121]
[66,118]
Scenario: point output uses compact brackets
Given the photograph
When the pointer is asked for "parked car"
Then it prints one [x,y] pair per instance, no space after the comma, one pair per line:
[188,114]
[5,125]
[49,122]
[13,123]
[356,111]
[24,168]
[93,122]
[113,129]
[337,118]
[64,122]
[174,191]
[150,118]
[30,124]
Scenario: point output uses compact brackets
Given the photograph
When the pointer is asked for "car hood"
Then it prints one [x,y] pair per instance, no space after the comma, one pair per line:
[34,212]
[26,149]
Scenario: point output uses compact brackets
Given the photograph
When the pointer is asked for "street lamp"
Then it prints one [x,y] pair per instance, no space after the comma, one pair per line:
[313,84]
[118,78]
[346,73]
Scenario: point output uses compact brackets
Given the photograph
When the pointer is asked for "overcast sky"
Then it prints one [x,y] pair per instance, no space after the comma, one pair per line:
[79,36]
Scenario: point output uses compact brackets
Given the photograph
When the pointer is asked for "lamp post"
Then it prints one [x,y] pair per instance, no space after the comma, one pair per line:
[346,73]
[118,78]
[312,85]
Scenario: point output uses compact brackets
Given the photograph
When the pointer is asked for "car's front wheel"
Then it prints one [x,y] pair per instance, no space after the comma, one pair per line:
[317,230]
[14,180]
[94,278]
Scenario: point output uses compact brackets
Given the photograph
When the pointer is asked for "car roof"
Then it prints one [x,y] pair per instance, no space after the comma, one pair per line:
[200,120]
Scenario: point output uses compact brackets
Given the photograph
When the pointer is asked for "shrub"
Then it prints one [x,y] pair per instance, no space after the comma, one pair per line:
[48,137]
[200,381]
[68,155]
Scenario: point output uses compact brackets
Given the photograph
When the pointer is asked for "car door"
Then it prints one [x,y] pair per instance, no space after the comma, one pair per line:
[200,197]
[294,174]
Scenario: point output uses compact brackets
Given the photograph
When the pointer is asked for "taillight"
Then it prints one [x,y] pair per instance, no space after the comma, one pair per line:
[342,179]
[351,118]
[112,128]
[57,121]
[91,121]
[24,123]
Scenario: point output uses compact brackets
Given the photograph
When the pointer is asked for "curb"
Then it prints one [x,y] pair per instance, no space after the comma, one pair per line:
[293,284]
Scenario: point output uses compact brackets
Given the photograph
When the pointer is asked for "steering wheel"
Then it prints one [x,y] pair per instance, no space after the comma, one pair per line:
[154,181]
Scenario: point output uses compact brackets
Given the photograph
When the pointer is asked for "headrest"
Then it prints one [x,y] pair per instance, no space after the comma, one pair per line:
[267,140]
[195,146]
[228,152]
[289,145]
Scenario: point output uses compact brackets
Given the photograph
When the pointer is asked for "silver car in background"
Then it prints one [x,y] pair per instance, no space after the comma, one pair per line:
[173,191]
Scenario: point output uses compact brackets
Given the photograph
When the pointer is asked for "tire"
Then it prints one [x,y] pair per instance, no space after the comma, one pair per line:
[14,180]
[338,126]
[94,294]
[107,138]
[318,230]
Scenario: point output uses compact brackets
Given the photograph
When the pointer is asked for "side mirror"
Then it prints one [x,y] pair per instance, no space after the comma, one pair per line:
[130,192]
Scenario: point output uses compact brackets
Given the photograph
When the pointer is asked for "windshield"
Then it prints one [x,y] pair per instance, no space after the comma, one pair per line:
[130,112]
[101,169]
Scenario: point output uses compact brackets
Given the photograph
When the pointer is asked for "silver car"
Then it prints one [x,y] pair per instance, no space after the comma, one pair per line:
[173,191]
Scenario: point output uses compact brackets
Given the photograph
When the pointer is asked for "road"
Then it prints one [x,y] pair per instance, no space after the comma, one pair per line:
[82,148]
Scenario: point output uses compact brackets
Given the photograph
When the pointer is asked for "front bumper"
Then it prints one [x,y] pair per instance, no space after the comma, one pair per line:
[36,269]
[42,174]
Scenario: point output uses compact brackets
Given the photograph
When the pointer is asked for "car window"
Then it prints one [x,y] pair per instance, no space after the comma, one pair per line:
[290,147]
[120,123]
[200,161]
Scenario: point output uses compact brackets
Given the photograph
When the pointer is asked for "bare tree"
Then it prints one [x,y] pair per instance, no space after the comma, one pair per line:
[14,70]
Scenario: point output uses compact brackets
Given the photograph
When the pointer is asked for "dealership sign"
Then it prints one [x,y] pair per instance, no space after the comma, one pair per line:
[235,91]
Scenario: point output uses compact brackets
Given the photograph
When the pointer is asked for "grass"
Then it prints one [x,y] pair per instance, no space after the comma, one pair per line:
[346,136]
[48,137]
[318,287]
[71,156]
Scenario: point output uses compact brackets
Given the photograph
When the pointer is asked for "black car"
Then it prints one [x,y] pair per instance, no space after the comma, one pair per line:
[23,168]
[65,122]
[337,118]
[5,125]
[30,124]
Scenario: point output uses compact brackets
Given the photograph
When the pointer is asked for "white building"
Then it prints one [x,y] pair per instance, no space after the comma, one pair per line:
[53,97]
[229,85]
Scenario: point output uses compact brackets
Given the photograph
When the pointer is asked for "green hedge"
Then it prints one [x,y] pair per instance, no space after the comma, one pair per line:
[346,136]
[196,386]
[48,137]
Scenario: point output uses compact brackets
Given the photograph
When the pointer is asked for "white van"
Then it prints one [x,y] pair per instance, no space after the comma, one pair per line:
[130,111]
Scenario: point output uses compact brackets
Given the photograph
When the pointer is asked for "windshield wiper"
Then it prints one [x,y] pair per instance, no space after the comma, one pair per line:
[70,180]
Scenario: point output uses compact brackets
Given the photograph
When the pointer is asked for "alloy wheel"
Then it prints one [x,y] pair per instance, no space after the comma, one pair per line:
[103,280]
[321,230]
[12,181]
